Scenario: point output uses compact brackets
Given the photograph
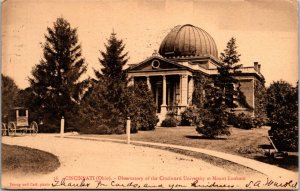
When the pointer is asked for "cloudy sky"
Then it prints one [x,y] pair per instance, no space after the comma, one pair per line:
[266,31]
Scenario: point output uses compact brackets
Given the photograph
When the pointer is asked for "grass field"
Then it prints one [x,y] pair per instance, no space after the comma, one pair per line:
[246,143]
[19,160]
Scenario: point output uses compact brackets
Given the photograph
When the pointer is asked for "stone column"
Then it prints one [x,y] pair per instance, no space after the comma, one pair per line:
[191,90]
[163,110]
[148,82]
[184,90]
[164,84]
[180,90]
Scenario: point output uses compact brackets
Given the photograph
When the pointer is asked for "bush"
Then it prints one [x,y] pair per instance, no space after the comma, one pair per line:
[212,124]
[233,119]
[285,138]
[142,108]
[282,103]
[282,110]
[243,121]
[170,121]
[188,117]
[259,121]
[211,121]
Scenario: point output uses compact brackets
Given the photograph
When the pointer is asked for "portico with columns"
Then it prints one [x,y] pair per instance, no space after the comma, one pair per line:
[171,84]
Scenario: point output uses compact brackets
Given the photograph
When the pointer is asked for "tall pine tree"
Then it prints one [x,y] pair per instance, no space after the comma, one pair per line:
[225,80]
[110,101]
[219,96]
[106,104]
[113,60]
[55,80]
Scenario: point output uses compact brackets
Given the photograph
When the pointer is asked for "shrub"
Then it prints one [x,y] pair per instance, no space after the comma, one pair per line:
[188,117]
[259,121]
[233,119]
[213,123]
[282,103]
[141,107]
[285,138]
[282,110]
[169,122]
[244,121]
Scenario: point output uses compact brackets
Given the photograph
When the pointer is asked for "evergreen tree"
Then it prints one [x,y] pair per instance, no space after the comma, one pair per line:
[225,80]
[141,108]
[200,82]
[9,95]
[55,80]
[212,118]
[113,60]
[110,101]
[106,104]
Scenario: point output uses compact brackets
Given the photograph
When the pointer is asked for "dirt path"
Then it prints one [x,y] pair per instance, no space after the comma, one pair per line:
[116,165]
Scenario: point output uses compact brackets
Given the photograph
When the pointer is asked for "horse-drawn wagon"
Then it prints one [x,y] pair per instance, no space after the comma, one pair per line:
[18,122]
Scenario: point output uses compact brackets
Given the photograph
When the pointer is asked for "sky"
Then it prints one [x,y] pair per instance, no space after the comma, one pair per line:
[266,31]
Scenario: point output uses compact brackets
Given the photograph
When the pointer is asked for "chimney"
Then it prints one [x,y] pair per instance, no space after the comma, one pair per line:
[256,66]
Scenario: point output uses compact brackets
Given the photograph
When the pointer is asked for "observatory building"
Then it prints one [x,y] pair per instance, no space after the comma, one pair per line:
[185,52]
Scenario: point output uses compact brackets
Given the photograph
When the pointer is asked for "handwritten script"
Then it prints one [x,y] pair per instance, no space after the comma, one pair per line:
[271,183]
[268,183]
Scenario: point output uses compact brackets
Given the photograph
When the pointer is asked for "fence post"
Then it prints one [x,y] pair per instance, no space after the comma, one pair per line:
[62,126]
[128,130]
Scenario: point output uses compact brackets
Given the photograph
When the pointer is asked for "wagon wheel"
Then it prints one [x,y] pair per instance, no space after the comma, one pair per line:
[12,129]
[4,130]
[34,128]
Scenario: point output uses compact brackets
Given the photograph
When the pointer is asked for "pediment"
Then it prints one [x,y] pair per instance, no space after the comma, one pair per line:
[156,63]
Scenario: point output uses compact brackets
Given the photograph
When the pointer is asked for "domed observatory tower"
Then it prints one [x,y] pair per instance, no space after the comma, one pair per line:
[188,41]
[185,51]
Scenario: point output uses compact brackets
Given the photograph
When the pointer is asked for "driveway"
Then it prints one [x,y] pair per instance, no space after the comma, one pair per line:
[105,165]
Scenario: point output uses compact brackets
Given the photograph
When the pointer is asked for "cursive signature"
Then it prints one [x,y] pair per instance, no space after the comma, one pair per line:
[270,183]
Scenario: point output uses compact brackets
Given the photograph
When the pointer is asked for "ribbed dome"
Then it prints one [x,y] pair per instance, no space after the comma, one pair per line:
[188,40]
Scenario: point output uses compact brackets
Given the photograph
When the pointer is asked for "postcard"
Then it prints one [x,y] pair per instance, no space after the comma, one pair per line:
[149,94]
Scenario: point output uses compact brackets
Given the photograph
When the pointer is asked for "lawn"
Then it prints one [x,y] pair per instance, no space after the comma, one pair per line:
[19,160]
[246,143]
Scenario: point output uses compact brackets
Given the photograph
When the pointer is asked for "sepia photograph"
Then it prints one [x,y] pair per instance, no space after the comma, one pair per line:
[149,94]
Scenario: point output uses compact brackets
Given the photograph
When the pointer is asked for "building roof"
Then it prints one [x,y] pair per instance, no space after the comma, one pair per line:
[188,40]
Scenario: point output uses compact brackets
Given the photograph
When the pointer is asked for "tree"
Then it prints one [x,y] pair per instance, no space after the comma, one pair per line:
[113,61]
[98,113]
[282,103]
[106,104]
[282,110]
[200,82]
[212,119]
[110,101]
[55,81]
[25,99]
[142,108]
[225,79]
[9,95]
